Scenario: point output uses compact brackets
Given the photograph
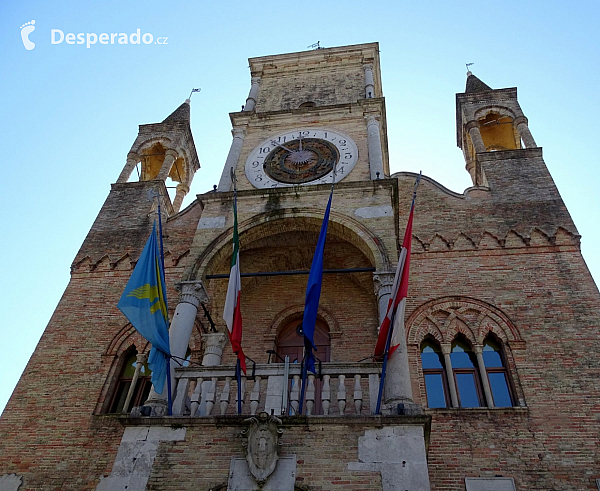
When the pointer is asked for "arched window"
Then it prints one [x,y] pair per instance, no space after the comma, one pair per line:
[142,387]
[290,342]
[464,368]
[434,374]
[495,368]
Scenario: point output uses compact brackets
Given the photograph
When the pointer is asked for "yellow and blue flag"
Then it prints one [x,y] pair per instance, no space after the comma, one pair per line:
[144,303]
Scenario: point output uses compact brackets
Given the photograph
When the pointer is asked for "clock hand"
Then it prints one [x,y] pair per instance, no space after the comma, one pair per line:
[282,146]
[300,138]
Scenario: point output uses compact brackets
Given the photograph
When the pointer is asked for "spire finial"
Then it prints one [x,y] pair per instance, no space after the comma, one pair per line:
[469,73]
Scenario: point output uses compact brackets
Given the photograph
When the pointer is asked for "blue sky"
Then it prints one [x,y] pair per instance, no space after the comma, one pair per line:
[70,113]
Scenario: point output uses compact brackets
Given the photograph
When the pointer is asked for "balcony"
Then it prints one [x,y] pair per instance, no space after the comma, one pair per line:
[340,389]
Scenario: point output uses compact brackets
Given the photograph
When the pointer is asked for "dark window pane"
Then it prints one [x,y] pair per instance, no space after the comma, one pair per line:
[435,390]
[129,368]
[120,396]
[499,388]
[430,358]
[467,391]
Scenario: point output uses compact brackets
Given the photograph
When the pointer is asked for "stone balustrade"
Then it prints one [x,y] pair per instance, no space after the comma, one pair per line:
[340,390]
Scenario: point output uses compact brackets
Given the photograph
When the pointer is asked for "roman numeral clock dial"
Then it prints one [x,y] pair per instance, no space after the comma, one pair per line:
[304,156]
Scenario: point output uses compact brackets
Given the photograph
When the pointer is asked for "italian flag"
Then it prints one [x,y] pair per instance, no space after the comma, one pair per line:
[232,313]
[397,303]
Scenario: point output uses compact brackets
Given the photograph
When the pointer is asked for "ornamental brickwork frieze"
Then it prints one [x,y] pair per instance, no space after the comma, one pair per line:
[445,317]
[462,241]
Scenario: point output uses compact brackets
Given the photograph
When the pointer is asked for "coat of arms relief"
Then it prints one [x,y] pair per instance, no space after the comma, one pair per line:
[262,445]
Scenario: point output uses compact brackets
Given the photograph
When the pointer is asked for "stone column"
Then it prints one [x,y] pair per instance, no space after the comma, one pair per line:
[374,145]
[473,128]
[383,283]
[170,157]
[524,133]
[253,95]
[232,159]
[182,190]
[446,349]
[397,387]
[182,323]
[478,349]
[132,160]
[140,359]
[213,349]
[369,83]
[213,352]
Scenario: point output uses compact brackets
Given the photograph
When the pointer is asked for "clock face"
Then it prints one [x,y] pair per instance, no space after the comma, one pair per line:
[304,156]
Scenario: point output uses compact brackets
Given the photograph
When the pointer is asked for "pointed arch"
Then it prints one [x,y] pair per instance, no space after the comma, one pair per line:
[455,317]
[451,306]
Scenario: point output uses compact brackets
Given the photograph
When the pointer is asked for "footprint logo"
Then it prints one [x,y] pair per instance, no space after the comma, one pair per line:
[26,30]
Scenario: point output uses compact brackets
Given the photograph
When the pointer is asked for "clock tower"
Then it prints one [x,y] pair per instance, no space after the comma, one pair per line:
[307,113]
[310,119]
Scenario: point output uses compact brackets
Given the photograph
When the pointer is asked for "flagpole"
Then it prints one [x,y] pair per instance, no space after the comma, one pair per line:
[307,353]
[304,378]
[238,375]
[162,263]
[238,365]
[392,320]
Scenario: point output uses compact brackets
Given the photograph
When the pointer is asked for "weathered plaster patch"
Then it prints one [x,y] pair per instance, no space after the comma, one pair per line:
[135,457]
[374,211]
[211,222]
[10,482]
[398,453]
[490,484]
[282,479]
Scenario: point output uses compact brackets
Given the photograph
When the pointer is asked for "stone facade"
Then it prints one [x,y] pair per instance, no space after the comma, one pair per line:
[500,261]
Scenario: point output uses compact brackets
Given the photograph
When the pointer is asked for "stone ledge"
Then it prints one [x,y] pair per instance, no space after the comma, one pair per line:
[325,189]
[177,422]
[518,153]
[490,411]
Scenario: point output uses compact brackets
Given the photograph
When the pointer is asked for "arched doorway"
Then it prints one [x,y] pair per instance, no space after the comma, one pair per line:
[290,342]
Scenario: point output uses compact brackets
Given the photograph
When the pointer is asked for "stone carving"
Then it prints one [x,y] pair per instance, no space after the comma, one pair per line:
[263,439]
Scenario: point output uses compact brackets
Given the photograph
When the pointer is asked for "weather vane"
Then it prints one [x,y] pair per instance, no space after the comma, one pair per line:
[193,90]
[468,65]
[316,45]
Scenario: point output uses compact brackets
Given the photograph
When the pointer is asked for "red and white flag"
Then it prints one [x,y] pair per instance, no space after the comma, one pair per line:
[232,313]
[397,303]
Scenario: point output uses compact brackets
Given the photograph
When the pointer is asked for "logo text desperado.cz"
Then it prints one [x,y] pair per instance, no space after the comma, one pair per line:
[57,37]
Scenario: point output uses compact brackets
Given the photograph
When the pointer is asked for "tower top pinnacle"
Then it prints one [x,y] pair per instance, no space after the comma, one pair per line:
[474,84]
[182,113]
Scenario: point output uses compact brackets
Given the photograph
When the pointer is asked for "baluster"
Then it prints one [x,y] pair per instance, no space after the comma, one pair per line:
[358,394]
[225,395]
[242,393]
[310,394]
[196,395]
[326,394]
[210,396]
[295,393]
[341,395]
[255,396]
[180,395]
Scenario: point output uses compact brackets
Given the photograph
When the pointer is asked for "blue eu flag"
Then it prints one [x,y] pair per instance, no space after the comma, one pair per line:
[313,294]
[144,303]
